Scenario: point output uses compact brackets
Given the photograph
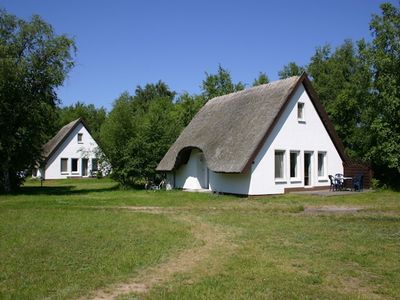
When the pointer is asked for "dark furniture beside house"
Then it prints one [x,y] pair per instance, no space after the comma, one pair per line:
[352,169]
[333,187]
[339,181]
[358,183]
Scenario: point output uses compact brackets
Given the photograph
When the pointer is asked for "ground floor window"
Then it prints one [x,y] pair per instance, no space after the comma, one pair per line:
[64,165]
[74,165]
[321,164]
[94,165]
[294,163]
[279,164]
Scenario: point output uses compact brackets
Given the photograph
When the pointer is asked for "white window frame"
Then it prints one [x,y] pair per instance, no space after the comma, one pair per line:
[302,118]
[61,170]
[77,166]
[296,178]
[324,176]
[283,178]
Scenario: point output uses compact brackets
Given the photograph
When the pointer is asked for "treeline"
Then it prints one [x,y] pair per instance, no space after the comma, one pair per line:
[358,83]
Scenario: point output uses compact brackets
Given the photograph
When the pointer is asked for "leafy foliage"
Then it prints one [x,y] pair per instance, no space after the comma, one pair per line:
[94,117]
[383,113]
[289,70]
[138,132]
[342,80]
[33,63]
[219,84]
[261,79]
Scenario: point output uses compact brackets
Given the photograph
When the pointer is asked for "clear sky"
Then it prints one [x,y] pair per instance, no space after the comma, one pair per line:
[122,44]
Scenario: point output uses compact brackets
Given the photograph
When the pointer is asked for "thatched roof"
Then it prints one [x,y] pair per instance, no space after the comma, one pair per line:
[51,146]
[231,129]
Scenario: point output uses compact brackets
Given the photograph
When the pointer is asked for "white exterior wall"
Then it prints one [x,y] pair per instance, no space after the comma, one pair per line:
[230,183]
[291,135]
[69,149]
[194,176]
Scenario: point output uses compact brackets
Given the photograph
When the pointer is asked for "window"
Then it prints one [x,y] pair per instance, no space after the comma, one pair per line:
[94,165]
[80,138]
[300,111]
[279,164]
[294,157]
[74,165]
[64,165]
[321,164]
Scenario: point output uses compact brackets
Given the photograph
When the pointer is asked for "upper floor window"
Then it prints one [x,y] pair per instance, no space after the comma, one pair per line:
[300,111]
[80,137]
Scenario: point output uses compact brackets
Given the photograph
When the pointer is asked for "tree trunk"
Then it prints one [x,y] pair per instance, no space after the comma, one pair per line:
[6,180]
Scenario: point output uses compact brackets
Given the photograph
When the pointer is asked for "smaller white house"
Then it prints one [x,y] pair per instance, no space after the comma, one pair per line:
[70,153]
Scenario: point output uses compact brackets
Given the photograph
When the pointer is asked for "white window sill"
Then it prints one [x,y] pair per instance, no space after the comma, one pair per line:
[302,121]
[280,180]
[322,179]
[64,173]
[295,180]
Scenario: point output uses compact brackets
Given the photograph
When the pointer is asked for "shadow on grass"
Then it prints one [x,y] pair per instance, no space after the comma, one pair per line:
[62,190]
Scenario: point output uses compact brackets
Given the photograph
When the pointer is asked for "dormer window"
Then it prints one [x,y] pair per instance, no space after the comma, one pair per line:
[300,112]
[80,138]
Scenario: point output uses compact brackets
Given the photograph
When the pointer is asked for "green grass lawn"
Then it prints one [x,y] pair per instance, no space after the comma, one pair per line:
[74,237]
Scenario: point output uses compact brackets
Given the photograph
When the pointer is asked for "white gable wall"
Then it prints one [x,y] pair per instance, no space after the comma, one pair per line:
[69,149]
[291,135]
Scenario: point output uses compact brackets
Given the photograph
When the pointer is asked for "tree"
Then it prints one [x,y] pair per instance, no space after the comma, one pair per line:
[261,79]
[186,107]
[34,61]
[289,70]
[219,84]
[138,132]
[94,117]
[342,80]
[383,114]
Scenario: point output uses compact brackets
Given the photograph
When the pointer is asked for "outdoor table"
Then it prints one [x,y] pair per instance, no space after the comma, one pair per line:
[346,183]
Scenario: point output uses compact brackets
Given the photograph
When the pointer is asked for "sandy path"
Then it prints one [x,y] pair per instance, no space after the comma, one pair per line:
[208,238]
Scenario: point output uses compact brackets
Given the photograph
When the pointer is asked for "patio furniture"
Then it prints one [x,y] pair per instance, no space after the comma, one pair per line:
[358,182]
[339,181]
[333,187]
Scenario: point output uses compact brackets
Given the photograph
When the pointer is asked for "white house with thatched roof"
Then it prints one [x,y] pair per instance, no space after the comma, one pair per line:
[70,153]
[263,140]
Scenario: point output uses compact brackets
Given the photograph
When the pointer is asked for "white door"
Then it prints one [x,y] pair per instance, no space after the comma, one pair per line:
[202,171]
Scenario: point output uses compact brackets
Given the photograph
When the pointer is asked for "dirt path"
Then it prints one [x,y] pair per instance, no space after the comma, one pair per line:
[208,238]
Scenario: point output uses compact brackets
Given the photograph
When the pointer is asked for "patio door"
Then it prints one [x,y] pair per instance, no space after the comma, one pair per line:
[85,167]
[307,168]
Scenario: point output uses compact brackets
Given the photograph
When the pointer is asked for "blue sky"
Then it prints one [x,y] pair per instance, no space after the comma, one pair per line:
[122,44]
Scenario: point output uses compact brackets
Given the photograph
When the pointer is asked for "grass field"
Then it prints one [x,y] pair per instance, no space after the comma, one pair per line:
[86,239]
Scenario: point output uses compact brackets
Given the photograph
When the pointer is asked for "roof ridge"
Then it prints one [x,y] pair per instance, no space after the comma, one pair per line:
[261,86]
